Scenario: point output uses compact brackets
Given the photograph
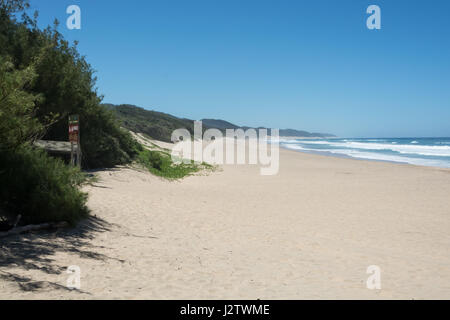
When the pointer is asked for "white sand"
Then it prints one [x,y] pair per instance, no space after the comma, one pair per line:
[309,232]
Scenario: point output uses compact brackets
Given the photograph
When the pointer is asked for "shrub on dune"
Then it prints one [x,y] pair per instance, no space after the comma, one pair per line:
[40,188]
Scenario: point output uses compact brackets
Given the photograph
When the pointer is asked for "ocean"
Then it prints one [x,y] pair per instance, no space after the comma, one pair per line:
[418,151]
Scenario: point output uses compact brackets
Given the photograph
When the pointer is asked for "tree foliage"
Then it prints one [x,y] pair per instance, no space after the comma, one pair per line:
[17,122]
[43,80]
[65,84]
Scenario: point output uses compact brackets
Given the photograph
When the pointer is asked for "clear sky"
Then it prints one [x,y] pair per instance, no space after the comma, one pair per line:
[310,65]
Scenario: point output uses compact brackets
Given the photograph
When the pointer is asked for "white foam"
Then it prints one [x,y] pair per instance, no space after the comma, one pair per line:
[393,158]
[440,151]
[296,147]
[376,156]
[314,142]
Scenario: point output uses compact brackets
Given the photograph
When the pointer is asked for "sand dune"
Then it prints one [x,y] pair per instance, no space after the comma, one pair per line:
[309,232]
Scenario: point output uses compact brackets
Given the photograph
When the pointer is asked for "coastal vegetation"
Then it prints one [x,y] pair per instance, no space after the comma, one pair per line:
[40,188]
[158,160]
[37,187]
[43,80]
[160,164]
[63,84]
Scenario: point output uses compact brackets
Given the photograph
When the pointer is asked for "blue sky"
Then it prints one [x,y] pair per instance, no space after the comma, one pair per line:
[310,65]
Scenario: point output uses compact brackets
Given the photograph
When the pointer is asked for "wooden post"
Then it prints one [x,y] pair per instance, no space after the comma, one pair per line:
[74,138]
[72,160]
[79,147]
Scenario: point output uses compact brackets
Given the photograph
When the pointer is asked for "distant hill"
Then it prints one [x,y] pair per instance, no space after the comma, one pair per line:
[223,125]
[219,124]
[159,125]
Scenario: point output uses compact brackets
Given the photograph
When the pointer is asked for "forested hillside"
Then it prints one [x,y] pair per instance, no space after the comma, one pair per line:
[156,125]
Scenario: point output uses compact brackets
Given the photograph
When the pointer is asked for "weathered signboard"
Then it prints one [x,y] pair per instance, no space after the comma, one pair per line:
[74,129]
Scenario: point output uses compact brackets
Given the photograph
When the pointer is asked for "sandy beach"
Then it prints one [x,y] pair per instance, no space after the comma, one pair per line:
[309,232]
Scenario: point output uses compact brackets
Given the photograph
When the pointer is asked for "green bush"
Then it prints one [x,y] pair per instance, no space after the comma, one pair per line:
[104,143]
[40,188]
[151,159]
[160,163]
[17,124]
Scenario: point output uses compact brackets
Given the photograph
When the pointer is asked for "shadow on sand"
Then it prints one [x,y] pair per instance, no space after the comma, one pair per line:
[34,251]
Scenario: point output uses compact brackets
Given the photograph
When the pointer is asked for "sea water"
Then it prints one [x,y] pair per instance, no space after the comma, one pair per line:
[418,151]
